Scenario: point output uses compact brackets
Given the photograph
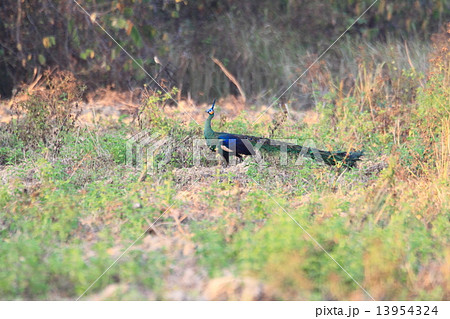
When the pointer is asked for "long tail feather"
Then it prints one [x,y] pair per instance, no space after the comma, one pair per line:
[348,159]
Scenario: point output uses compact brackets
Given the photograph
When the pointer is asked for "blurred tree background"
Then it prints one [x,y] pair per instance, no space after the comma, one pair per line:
[262,43]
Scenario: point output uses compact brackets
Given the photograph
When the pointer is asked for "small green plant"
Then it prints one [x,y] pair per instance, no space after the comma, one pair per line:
[151,113]
[10,147]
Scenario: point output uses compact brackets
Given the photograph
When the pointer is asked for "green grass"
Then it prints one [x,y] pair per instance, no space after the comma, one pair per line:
[66,216]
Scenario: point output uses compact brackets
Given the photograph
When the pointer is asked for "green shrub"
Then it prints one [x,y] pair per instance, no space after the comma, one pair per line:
[43,118]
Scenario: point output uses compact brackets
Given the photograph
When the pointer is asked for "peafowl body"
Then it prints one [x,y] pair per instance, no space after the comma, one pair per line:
[238,144]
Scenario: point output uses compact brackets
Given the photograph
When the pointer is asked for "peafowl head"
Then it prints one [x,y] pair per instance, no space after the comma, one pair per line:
[210,111]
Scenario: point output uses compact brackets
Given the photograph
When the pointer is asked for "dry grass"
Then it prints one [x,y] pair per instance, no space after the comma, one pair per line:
[65,218]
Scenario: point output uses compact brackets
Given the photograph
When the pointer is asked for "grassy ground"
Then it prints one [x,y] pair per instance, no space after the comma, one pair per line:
[71,204]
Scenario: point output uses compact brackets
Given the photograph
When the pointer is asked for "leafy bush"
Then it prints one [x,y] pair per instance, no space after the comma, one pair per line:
[187,33]
[42,118]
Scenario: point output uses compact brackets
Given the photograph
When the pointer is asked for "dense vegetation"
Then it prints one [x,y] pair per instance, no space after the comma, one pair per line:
[72,200]
[265,44]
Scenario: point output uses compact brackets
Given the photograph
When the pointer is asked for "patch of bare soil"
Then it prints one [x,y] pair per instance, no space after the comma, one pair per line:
[110,104]
[5,112]
[241,289]
[203,176]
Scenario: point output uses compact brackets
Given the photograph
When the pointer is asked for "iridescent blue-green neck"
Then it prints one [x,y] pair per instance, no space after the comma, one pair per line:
[208,131]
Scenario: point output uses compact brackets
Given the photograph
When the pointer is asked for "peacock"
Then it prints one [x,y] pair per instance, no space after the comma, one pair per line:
[238,144]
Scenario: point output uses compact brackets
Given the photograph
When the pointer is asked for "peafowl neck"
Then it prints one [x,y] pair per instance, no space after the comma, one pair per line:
[208,131]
